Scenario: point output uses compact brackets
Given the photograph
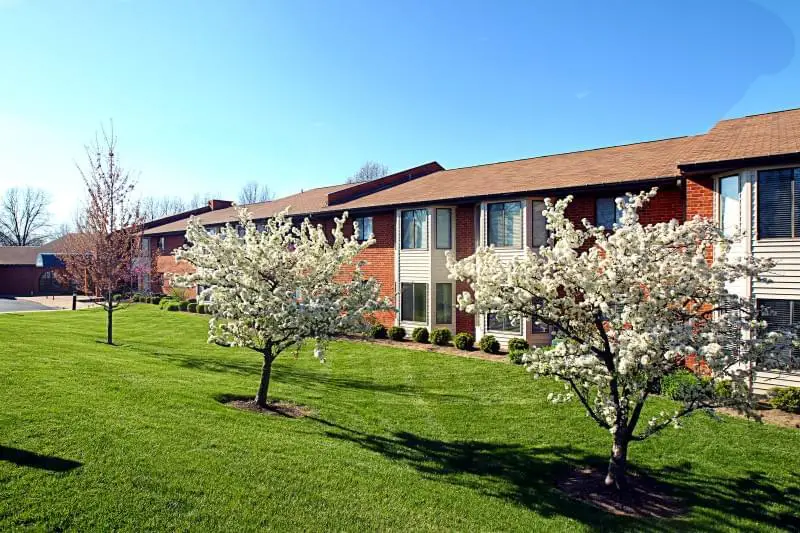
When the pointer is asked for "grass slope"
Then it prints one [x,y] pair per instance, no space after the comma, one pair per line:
[133,437]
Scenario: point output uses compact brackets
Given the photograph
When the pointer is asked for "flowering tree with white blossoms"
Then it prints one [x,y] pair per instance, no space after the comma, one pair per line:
[271,290]
[628,306]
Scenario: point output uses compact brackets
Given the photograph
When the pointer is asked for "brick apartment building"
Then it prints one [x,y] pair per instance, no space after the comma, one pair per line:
[742,173]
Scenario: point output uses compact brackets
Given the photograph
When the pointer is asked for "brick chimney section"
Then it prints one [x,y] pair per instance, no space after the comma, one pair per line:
[219,204]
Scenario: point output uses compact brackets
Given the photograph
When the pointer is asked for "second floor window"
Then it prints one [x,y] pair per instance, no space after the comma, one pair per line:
[540,233]
[504,225]
[443,229]
[729,205]
[778,198]
[414,228]
[607,213]
[364,228]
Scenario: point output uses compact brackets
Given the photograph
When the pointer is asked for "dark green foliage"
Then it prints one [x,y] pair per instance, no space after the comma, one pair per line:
[464,341]
[192,307]
[155,300]
[515,357]
[202,309]
[518,344]
[397,333]
[377,331]
[173,306]
[184,305]
[786,399]
[192,300]
[165,301]
[420,335]
[489,344]
[441,336]
[681,385]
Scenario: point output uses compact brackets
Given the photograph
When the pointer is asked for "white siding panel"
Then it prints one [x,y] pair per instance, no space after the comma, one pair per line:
[765,381]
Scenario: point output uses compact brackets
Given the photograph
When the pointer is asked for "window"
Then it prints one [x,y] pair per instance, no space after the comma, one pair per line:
[607,212]
[414,228]
[240,230]
[414,302]
[497,323]
[162,245]
[778,215]
[443,229]
[261,227]
[364,228]
[540,234]
[505,224]
[781,315]
[729,205]
[444,303]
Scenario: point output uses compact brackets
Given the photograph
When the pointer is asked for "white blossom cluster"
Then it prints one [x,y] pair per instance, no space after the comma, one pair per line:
[627,305]
[272,289]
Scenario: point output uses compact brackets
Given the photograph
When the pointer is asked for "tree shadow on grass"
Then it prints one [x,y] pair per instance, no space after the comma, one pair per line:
[34,460]
[527,477]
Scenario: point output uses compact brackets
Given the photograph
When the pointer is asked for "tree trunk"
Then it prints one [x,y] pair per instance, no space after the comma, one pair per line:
[110,320]
[618,464]
[266,371]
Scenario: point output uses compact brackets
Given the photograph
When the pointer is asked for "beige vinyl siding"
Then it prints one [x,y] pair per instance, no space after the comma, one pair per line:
[785,283]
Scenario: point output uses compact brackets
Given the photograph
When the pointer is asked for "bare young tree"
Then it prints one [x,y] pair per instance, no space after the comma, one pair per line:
[104,254]
[24,218]
[253,193]
[369,171]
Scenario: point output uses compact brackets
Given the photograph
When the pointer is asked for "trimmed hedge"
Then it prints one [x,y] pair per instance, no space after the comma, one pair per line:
[518,344]
[173,306]
[489,344]
[397,333]
[786,399]
[441,336]
[202,309]
[681,385]
[377,331]
[184,305]
[420,335]
[155,300]
[192,307]
[464,341]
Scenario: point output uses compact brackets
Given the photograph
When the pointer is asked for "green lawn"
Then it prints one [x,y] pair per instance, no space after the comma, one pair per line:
[134,437]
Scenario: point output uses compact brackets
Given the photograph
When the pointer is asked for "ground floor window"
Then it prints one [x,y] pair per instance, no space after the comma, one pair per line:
[414,302]
[49,282]
[780,315]
[495,322]
[444,303]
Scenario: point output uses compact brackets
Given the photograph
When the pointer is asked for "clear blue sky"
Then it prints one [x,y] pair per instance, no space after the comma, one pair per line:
[206,95]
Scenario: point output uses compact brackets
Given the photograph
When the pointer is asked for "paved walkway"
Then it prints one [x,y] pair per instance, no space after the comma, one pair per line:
[12,304]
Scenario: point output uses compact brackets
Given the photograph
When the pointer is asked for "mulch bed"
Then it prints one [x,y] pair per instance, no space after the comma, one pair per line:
[275,408]
[433,348]
[645,499]
[769,416]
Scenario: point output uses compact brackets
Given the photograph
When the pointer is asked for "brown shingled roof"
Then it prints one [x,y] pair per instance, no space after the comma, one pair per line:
[26,255]
[764,135]
[310,201]
[616,164]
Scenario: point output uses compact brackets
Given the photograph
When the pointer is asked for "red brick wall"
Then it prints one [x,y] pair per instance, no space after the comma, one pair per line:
[380,257]
[665,206]
[166,266]
[465,246]
[699,197]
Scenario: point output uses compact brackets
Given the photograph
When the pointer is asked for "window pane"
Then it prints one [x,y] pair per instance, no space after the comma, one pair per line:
[513,224]
[606,212]
[367,231]
[775,203]
[444,303]
[443,228]
[495,224]
[407,237]
[420,302]
[495,323]
[539,224]
[406,301]
[421,228]
[729,202]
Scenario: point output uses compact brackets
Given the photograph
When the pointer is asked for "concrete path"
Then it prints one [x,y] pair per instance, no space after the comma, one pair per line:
[11,304]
